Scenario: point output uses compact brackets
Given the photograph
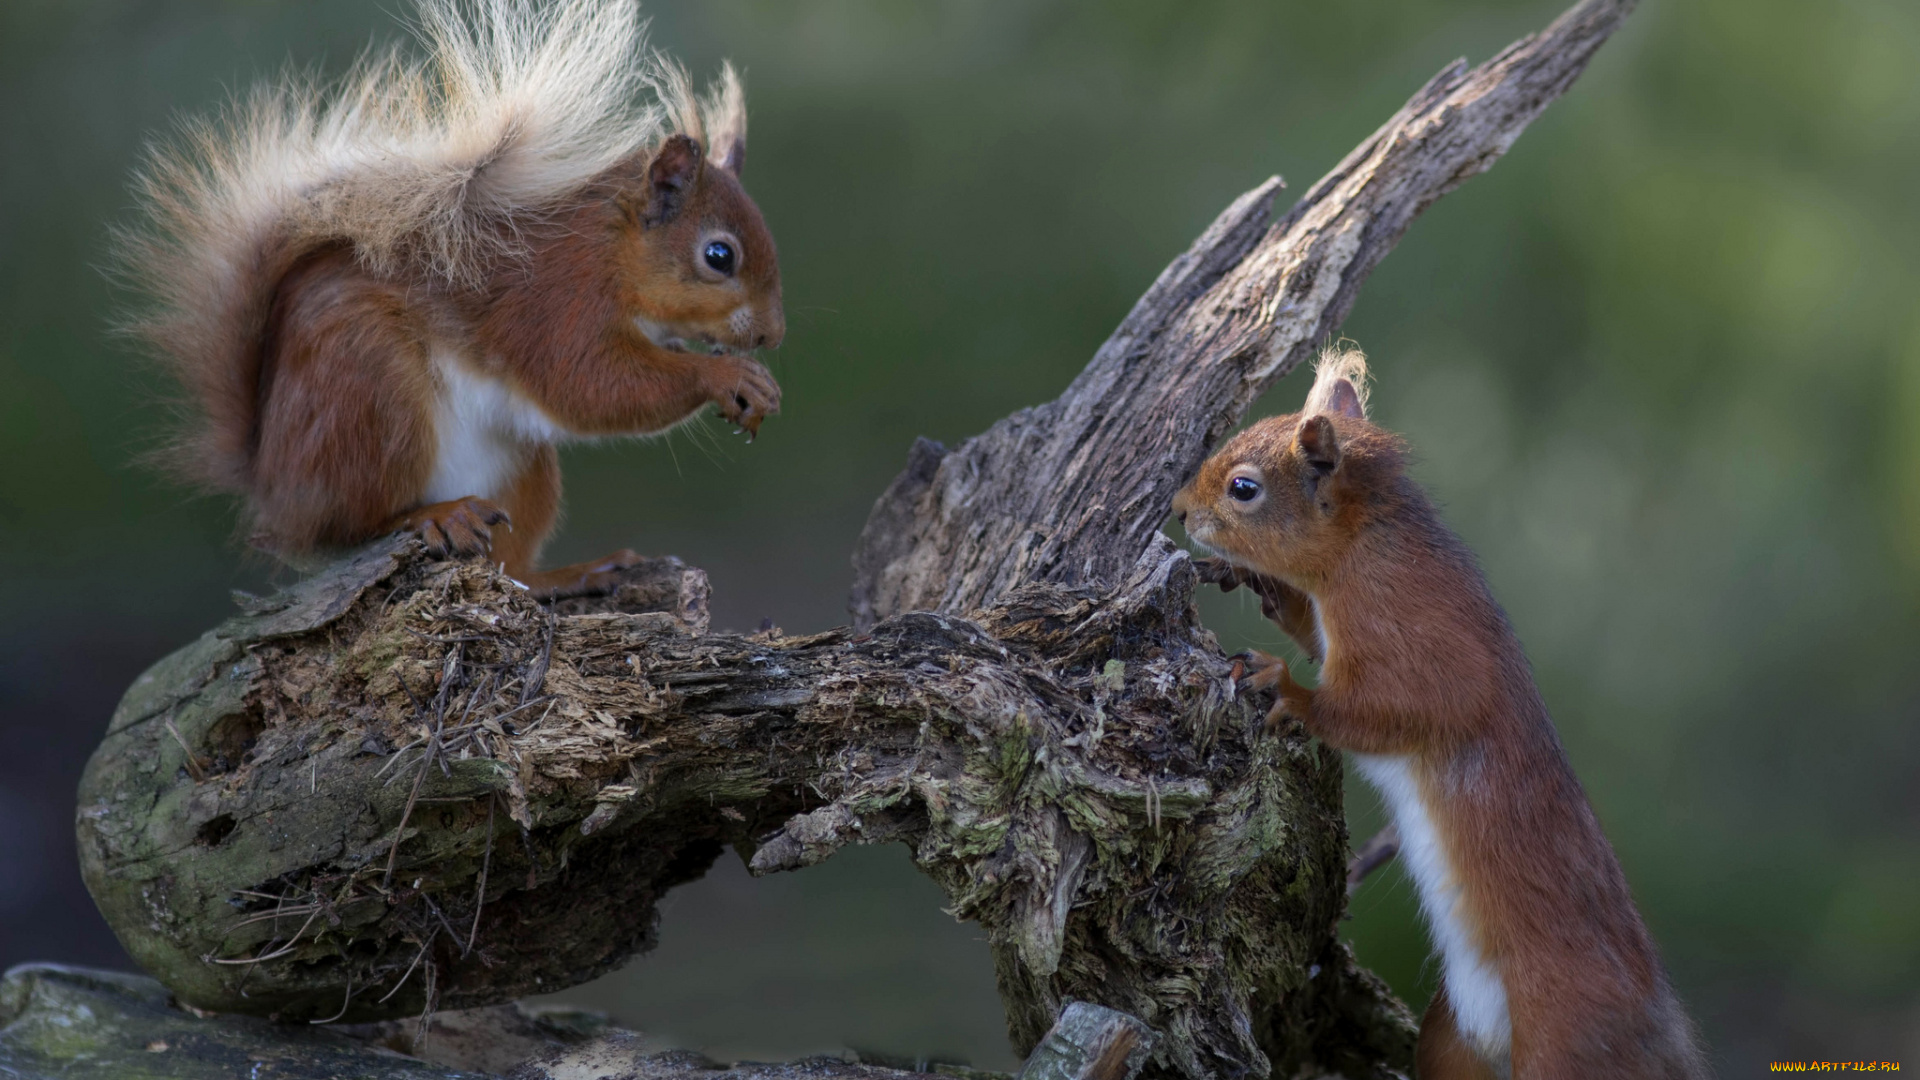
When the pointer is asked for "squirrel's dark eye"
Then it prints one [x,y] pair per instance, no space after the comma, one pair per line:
[1242,489]
[719,255]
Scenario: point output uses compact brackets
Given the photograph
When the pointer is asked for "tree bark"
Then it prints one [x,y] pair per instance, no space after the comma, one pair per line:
[402,784]
[413,786]
[78,1024]
[1075,491]
[1089,1042]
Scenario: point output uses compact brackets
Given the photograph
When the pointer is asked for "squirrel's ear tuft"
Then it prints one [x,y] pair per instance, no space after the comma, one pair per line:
[733,157]
[670,178]
[1318,443]
[723,113]
[1339,384]
[1344,400]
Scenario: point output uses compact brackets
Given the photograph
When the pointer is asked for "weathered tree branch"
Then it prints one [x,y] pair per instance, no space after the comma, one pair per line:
[404,784]
[416,786]
[78,1024]
[1075,491]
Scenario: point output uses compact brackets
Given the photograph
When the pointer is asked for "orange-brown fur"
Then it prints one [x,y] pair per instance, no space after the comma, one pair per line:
[501,219]
[1422,665]
[560,326]
[344,440]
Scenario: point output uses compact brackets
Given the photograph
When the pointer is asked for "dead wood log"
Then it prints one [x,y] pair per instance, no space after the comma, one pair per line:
[404,784]
[411,785]
[78,1024]
[1075,491]
[1090,1042]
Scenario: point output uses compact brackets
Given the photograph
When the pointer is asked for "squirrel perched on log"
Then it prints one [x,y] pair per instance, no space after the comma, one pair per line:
[1547,969]
[389,302]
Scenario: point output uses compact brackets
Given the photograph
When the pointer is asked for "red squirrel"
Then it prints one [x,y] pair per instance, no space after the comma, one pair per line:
[1547,968]
[390,302]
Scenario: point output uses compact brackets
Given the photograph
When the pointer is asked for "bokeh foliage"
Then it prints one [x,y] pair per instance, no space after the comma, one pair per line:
[1662,366]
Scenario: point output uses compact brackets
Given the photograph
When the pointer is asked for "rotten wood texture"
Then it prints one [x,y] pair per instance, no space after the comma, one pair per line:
[1074,491]
[406,784]
[1090,1042]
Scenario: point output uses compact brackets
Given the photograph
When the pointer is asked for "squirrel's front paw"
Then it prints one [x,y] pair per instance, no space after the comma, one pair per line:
[1214,570]
[456,527]
[746,393]
[1295,702]
[1259,671]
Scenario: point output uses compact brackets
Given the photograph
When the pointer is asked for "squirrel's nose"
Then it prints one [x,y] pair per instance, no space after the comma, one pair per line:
[1181,517]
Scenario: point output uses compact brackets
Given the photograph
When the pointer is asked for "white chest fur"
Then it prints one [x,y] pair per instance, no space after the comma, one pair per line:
[483,431]
[1474,989]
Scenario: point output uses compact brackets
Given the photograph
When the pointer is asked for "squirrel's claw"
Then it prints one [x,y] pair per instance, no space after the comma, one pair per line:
[455,528]
[583,579]
[624,559]
[750,395]
[1291,700]
[1214,570]
[1260,670]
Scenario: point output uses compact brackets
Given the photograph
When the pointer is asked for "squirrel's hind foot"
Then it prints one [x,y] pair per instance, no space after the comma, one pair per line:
[590,578]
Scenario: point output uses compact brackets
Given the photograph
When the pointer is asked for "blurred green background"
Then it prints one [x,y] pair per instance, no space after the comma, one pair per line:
[1661,366]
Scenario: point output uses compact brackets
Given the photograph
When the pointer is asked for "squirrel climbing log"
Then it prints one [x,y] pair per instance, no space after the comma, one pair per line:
[404,783]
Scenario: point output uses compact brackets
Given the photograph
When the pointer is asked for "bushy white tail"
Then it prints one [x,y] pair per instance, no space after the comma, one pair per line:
[422,164]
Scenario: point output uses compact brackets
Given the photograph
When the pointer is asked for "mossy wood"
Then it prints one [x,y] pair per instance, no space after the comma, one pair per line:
[404,784]
[411,783]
